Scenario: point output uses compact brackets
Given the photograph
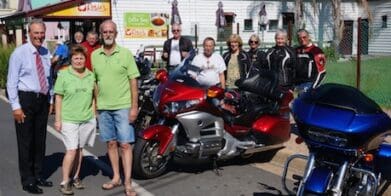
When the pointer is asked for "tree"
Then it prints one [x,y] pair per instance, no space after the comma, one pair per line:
[337,16]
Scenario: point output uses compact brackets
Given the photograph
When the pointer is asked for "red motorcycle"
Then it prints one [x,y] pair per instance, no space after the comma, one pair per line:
[195,122]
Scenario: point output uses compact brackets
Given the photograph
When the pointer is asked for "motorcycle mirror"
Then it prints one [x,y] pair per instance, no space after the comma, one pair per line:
[215,92]
[161,75]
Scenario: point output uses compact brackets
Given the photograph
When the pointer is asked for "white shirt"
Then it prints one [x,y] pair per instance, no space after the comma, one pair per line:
[211,68]
[175,53]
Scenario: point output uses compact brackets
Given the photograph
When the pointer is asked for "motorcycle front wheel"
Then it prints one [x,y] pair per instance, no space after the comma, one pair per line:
[146,163]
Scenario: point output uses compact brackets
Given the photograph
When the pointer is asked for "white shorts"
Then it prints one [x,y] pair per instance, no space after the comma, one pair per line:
[77,135]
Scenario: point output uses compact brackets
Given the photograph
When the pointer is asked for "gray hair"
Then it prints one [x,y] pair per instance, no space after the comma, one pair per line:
[92,33]
[108,21]
[36,21]
[254,36]
[302,31]
[281,32]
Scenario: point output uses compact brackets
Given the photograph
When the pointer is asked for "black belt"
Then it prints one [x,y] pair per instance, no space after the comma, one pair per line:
[32,94]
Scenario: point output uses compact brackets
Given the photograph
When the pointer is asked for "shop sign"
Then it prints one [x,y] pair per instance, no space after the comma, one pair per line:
[89,8]
[145,25]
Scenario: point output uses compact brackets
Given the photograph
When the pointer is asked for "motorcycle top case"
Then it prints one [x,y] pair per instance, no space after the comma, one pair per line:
[342,113]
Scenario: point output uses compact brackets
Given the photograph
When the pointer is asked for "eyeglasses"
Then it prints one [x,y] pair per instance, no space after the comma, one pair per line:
[176,30]
[253,42]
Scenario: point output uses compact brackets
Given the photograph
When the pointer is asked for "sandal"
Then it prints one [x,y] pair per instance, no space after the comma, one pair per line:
[130,192]
[111,185]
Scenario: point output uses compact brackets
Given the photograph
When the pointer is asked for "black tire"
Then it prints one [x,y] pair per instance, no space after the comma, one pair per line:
[146,165]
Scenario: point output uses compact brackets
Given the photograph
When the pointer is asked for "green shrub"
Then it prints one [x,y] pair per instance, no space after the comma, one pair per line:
[5,53]
[330,53]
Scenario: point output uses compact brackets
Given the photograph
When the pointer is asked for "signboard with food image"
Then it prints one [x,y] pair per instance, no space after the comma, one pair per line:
[145,25]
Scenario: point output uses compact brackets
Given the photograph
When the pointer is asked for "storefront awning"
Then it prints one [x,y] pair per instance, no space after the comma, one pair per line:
[40,12]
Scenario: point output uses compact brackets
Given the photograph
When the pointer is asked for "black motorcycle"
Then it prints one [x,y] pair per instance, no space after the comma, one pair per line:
[146,87]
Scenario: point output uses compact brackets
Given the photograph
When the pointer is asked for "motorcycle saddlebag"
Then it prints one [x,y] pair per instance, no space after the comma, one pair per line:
[274,129]
[383,161]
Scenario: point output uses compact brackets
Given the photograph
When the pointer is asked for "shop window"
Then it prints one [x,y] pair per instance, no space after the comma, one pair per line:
[248,24]
[4,4]
[384,21]
[273,25]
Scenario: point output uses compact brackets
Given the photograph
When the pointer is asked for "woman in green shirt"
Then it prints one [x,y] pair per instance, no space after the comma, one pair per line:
[75,116]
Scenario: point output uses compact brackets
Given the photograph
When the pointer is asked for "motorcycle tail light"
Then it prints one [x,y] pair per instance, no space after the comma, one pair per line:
[161,75]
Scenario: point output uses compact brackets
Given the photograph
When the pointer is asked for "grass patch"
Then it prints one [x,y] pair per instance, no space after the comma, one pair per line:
[5,53]
[375,75]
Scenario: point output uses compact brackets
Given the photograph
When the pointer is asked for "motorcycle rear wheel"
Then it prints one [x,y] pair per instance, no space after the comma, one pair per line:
[146,163]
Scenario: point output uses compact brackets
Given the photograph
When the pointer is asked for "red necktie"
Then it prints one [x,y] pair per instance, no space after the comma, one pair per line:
[41,74]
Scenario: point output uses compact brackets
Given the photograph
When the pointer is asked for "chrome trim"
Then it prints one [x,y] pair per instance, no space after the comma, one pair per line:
[285,172]
[336,189]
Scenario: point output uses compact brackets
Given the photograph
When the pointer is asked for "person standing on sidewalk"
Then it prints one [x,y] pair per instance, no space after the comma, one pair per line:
[237,61]
[28,91]
[211,64]
[310,68]
[176,48]
[116,72]
[75,118]
[281,58]
[257,56]
[91,44]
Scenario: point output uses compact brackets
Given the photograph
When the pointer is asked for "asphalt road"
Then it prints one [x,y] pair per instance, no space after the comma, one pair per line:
[237,177]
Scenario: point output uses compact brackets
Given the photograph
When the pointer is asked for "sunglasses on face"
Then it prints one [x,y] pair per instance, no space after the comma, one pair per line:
[176,30]
[253,42]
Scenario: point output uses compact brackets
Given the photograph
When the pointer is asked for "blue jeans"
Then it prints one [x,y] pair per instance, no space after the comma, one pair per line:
[114,125]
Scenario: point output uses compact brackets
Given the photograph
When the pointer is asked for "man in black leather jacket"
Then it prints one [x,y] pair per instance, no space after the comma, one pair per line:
[176,48]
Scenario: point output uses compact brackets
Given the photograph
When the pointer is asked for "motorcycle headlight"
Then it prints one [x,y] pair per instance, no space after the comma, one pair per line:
[330,138]
[178,106]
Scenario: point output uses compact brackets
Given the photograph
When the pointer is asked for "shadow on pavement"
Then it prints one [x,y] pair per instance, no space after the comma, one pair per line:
[199,166]
[51,163]
[268,188]
[89,166]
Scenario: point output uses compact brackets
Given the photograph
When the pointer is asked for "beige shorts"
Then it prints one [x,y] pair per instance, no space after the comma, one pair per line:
[77,135]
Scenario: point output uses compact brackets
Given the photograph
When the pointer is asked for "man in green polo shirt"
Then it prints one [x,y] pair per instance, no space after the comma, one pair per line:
[116,72]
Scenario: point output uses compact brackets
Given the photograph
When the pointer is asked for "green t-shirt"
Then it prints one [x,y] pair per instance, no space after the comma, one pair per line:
[112,76]
[77,95]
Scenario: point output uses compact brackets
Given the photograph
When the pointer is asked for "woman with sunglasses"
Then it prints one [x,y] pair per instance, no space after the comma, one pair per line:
[257,56]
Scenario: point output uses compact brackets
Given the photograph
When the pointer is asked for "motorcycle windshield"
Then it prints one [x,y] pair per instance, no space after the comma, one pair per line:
[185,72]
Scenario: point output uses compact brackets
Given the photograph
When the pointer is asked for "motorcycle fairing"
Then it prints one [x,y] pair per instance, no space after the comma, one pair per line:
[160,133]
[274,126]
[357,123]
[198,124]
[383,160]
[318,180]
[177,90]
